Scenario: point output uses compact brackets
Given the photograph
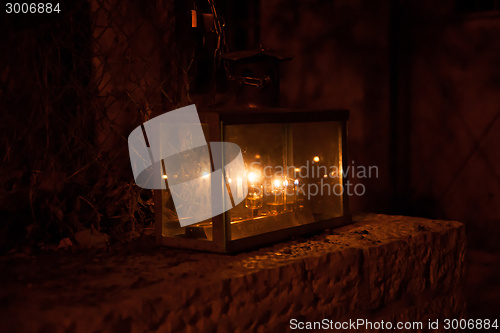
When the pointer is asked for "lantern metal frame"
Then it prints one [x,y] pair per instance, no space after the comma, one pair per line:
[221,241]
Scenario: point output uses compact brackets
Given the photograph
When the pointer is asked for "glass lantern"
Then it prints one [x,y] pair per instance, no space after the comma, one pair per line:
[292,180]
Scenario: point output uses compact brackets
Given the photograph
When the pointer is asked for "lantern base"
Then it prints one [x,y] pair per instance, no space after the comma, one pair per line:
[260,224]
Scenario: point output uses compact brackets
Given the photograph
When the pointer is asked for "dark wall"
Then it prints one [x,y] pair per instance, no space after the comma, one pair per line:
[455,111]
[72,87]
[422,82]
[340,60]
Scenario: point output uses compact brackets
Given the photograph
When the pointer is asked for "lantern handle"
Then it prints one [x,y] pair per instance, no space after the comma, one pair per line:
[252,81]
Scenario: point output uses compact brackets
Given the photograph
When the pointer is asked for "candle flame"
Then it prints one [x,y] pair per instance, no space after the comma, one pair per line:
[252,177]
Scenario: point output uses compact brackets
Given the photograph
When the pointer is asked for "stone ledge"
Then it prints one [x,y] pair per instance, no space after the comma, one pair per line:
[380,267]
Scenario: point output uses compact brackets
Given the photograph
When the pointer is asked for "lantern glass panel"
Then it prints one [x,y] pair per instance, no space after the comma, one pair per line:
[292,175]
[292,179]
[172,228]
[186,167]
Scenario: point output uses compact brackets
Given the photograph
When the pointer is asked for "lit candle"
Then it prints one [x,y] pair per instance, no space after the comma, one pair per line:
[287,200]
[253,200]
[298,199]
[276,204]
[252,177]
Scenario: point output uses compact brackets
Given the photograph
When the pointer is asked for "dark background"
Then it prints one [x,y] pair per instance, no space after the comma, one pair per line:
[421,79]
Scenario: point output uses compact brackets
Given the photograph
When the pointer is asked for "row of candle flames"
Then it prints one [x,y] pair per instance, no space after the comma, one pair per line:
[281,194]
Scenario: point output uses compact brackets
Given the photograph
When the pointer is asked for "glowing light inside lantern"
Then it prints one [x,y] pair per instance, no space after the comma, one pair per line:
[252,177]
[316,158]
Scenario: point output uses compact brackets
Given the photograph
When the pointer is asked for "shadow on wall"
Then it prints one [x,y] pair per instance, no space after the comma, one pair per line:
[340,60]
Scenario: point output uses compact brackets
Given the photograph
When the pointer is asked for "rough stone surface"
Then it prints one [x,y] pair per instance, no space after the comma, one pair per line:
[381,267]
